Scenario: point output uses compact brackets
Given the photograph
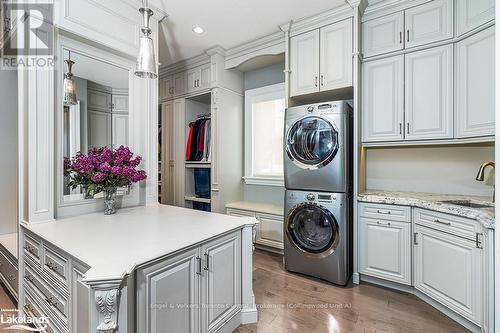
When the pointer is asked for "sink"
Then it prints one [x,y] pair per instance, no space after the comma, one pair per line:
[467,203]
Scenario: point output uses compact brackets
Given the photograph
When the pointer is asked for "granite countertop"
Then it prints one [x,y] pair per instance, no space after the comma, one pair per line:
[115,245]
[433,201]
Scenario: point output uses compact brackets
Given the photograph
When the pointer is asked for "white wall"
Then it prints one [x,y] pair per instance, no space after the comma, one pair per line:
[9,151]
[255,79]
[449,169]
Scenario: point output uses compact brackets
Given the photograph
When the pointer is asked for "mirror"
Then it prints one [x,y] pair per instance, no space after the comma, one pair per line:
[95,103]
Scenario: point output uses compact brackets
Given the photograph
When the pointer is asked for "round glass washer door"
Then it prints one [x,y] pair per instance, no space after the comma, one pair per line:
[312,142]
[313,229]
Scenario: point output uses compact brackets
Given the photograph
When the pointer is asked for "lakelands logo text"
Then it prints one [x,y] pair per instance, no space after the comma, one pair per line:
[24,323]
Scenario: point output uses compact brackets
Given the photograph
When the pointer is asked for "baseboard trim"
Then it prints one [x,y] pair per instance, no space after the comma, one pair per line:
[411,290]
[249,316]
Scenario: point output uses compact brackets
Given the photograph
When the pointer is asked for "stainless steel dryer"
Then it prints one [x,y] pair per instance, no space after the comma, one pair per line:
[318,148]
[318,235]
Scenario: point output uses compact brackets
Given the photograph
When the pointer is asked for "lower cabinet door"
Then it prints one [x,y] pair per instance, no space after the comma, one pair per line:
[270,231]
[385,249]
[221,284]
[167,295]
[448,269]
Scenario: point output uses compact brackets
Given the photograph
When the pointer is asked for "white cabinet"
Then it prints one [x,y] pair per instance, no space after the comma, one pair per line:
[198,78]
[221,284]
[336,56]
[321,59]
[471,14]
[382,103]
[304,61]
[179,81]
[384,238]
[99,129]
[99,100]
[119,129]
[429,94]
[269,232]
[166,87]
[475,85]
[449,269]
[419,25]
[430,22]
[383,35]
[162,290]
[198,290]
[119,103]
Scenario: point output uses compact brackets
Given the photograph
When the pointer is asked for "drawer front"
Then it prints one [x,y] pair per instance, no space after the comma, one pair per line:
[56,266]
[33,309]
[386,212]
[449,223]
[8,269]
[57,303]
[32,248]
[239,213]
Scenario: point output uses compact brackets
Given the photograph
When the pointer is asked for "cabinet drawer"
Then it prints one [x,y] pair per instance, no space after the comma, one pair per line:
[449,223]
[8,269]
[56,302]
[386,212]
[32,248]
[239,213]
[56,266]
[33,309]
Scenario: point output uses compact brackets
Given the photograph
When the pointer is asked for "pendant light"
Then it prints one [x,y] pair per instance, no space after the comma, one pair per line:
[69,84]
[146,63]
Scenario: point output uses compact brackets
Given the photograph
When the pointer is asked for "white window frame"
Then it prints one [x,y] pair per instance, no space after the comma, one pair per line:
[275,91]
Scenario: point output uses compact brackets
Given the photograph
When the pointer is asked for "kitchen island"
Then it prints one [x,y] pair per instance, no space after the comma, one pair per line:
[146,269]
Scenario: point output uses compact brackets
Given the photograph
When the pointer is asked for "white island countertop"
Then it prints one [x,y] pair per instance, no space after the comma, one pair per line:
[113,246]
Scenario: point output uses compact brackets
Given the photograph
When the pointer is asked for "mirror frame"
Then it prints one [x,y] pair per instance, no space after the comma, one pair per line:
[73,44]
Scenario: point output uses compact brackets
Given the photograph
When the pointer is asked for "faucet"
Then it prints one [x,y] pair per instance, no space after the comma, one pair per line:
[480,174]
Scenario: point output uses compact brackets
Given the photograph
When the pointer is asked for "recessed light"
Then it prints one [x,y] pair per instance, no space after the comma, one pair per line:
[198,30]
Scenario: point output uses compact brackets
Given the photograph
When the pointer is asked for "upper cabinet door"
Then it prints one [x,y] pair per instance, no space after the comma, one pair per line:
[427,23]
[336,55]
[205,77]
[429,93]
[304,58]
[382,104]
[475,85]
[193,76]
[179,84]
[98,100]
[383,35]
[471,14]
[120,103]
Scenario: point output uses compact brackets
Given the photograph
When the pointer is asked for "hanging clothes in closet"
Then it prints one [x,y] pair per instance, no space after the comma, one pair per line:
[198,142]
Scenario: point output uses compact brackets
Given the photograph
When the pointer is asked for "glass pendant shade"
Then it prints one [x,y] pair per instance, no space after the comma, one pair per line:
[69,86]
[146,62]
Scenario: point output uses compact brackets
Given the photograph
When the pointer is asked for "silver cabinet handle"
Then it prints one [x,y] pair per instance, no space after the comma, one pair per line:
[442,222]
[408,35]
[400,37]
[28,278]
[386,212]
[322,80]
[407,128]
[415,234]
[198,262]
[400,128]
[316,81]
[387,224]
[207,263]
[479,243]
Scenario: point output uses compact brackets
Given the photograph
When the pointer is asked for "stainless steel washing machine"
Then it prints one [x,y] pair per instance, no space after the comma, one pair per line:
[318,235]
[318,147]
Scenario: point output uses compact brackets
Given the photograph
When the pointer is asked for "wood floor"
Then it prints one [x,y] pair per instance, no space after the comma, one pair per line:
[363,308]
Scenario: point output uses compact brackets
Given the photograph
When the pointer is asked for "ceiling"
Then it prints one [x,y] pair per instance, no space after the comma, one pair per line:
[227,23]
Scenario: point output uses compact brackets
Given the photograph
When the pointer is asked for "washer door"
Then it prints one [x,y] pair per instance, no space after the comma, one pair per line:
[313,230]
[312,142]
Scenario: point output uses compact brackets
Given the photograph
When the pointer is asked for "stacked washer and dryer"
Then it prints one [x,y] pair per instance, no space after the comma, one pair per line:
[318,198]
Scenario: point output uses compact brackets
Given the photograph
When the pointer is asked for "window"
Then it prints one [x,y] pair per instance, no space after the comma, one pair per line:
[264,127]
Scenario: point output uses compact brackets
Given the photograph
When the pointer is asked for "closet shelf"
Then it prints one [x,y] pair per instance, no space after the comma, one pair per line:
[198,164]
[197,199]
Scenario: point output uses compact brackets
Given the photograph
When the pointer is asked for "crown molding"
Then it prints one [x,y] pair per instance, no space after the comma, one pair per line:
[389,6]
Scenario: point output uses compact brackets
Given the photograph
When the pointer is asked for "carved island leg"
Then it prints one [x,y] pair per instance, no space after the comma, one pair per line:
[107,309]
[249,309]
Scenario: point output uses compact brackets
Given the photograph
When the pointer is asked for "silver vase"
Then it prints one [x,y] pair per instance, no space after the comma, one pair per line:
[109,201]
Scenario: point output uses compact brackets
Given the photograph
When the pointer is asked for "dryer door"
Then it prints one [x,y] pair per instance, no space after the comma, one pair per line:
[313,230]
[312,142]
